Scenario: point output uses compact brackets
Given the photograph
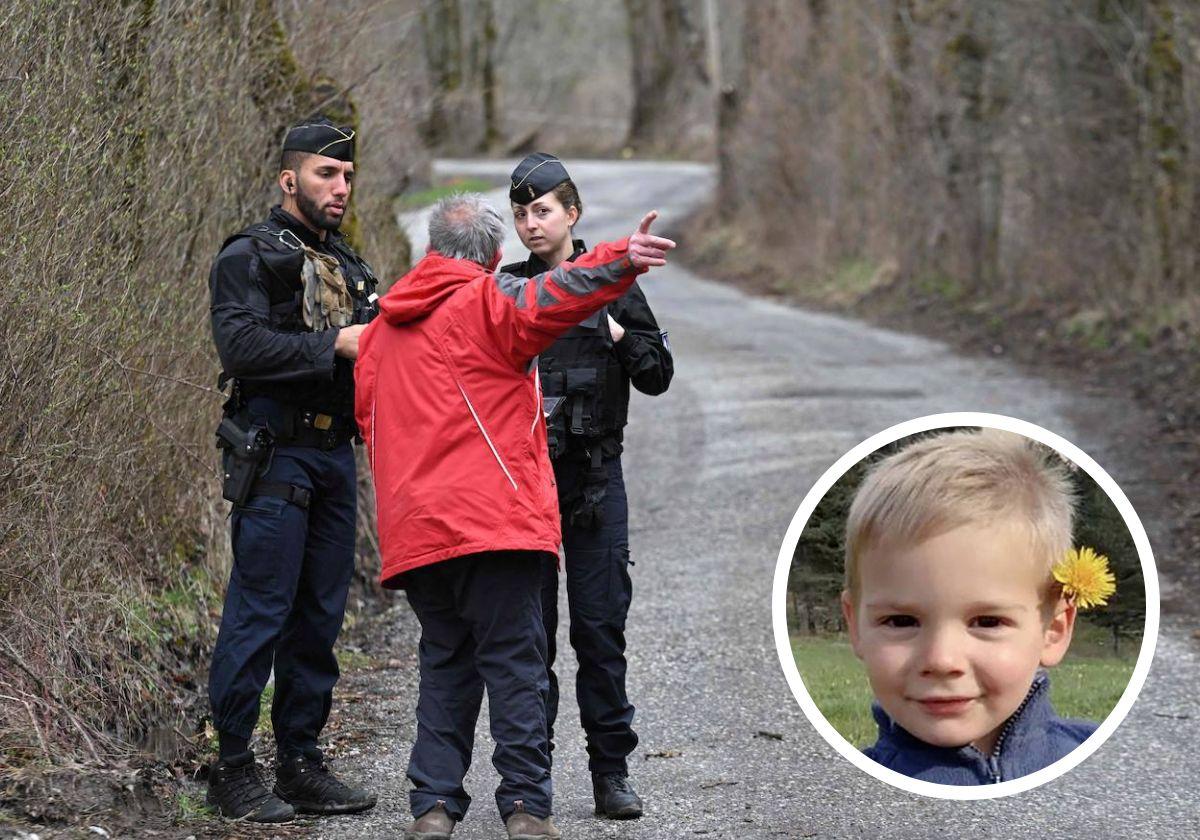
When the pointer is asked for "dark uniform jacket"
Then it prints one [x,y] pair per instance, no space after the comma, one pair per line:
[257,317]
[593,372]
[1033,738]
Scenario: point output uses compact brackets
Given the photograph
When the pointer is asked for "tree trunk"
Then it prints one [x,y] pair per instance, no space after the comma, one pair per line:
[441,25]
[672,89]
[1165,152]
[487,75]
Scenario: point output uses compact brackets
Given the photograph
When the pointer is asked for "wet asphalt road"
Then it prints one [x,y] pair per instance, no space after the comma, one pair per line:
[765,398]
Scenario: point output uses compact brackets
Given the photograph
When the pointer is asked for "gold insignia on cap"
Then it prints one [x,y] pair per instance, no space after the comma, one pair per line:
[345,137]
[534,169]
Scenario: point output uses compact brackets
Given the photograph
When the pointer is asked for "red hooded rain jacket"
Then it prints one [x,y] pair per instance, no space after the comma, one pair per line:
[448,401]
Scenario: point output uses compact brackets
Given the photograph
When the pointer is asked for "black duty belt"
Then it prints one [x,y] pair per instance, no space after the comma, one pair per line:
[311,428]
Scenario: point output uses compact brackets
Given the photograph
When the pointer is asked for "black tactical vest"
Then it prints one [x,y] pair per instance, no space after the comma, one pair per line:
[281,255]
[583,369]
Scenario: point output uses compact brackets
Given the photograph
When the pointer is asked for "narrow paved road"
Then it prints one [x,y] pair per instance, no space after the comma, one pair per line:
[765,398]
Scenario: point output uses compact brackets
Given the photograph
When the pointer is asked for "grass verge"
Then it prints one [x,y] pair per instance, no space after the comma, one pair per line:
[423,198]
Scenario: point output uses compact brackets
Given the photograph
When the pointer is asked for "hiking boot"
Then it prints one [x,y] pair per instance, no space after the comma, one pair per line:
[522,825]
[305,781]
[434,824]
[615,797]
[236,790]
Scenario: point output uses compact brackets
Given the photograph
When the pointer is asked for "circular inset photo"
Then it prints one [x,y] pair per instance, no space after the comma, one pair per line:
[965,605]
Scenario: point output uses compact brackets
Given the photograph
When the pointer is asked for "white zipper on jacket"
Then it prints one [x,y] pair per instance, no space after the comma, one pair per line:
[537,398]
[371,443]
[483,431]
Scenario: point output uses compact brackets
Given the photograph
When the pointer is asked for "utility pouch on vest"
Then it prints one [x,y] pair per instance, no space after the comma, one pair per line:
[245,452]
[327,300]
[581,392]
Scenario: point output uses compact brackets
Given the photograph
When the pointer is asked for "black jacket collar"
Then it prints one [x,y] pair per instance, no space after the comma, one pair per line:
[285,219]
[536,265]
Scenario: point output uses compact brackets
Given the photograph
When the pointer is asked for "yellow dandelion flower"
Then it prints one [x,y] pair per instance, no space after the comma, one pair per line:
[1085,577]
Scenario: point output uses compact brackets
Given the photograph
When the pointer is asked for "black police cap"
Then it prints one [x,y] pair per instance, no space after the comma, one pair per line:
[321,137]
[535,176]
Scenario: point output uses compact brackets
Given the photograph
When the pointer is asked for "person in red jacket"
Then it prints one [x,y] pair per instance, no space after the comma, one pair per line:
[448,401]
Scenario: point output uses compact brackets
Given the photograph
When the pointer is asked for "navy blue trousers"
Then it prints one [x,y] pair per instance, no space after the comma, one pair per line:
[286,599]
[599,591]
[481,626]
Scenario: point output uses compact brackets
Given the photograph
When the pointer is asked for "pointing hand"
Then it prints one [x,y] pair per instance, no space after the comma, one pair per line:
[645,249]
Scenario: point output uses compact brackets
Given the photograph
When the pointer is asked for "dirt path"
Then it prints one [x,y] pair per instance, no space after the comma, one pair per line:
[766,397]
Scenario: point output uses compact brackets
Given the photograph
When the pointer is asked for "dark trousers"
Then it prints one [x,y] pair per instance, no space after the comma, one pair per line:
[481,626]
[599,590]
[286,599]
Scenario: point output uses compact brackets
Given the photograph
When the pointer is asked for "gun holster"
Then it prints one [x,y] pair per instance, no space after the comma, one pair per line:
[588,510]
[246,457]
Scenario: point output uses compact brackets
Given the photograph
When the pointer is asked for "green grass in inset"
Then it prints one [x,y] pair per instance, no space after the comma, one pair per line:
[1087,684]
[837,683]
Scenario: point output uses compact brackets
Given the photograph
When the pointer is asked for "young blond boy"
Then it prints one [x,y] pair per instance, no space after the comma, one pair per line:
[952,607]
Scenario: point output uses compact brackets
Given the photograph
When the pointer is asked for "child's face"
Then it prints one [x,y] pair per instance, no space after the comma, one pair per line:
[952,630]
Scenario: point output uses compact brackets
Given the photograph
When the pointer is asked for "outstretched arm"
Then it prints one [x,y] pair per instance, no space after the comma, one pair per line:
[527,314]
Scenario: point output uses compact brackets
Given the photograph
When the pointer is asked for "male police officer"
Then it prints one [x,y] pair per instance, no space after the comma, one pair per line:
[586,376]
[289,300]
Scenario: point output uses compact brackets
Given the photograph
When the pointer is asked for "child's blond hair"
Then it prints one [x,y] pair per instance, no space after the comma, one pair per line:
[964,477]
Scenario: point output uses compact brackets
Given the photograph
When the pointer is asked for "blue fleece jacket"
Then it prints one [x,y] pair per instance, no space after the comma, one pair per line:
[1033,738]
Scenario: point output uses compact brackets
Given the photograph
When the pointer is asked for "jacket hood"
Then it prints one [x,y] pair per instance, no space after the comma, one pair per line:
[430,283]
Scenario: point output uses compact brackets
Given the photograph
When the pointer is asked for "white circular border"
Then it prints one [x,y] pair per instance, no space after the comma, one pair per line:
[788,661]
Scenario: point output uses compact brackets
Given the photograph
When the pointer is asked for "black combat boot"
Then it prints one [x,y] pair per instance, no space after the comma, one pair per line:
[304,780]
[236,789]
[615,797]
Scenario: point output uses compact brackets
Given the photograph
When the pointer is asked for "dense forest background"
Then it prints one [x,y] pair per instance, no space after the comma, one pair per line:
[817,575]
[1030,152]
[1000,158]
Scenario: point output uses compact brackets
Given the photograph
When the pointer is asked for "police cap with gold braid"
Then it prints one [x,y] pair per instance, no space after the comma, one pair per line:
[535,176]
[321,137]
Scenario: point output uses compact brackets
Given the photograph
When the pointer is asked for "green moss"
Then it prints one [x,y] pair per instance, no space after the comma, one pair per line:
[966,46]
[1090,328]
[140,623]
[264,710]
[191,808]
[945,286]
[850,281]
[285,79]
[353,660]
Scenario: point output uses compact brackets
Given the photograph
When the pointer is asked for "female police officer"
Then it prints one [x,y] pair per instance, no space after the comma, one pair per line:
[585,378]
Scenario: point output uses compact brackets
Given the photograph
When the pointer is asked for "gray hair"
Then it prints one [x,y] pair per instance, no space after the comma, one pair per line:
[465,226]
